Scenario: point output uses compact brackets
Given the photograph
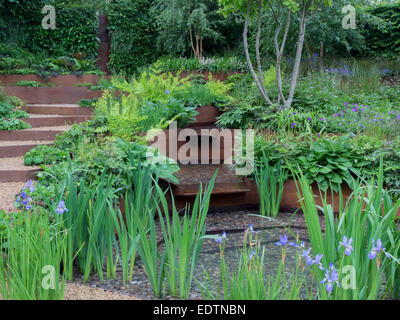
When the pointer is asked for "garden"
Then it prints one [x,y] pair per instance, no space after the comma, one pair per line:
[285,181]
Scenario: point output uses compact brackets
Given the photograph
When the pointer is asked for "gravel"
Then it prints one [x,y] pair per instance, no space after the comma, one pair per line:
[8,190]
[15,163]
[234,223]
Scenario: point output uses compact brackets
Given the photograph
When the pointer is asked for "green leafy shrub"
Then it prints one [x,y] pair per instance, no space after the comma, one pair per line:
[44,154]
[382,37]
[131,26]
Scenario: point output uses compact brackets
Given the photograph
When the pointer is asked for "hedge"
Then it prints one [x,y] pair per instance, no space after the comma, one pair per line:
[383,38]
[133,35]
[76,28]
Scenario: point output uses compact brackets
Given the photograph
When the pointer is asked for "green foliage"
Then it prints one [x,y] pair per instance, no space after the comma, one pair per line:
[215,64]
[117,159]
[76,28]
[183,238]
[88,103]
[10,116]
[34,244]
[270,182]
[18,61]
[44,154]
[131,28]
[383,33]
[191,28]
[331,162]
[33,84]
[367,215]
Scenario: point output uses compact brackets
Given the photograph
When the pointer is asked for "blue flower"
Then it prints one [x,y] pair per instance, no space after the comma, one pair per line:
[284,241]
[306,255]
[331,277]
[346,243]
[252,231]
[29,185]
[376,250]
[167,92]
[252,254]
[61,208]
[317,261]
[221,239]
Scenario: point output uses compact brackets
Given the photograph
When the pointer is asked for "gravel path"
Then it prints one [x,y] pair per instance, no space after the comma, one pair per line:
[74,291]
[8,190]
[15,163]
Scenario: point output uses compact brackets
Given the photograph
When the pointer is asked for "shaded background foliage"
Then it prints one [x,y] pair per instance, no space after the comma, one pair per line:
[76,29]
[142,31]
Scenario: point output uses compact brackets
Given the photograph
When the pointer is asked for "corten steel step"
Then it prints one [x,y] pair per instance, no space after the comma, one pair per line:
[61,80]
[49,95]
[207,116]
[190,190]
[41,134]
[54,120]
[18,175]
[196,145]
[13,149]
[59,109]
[12,169]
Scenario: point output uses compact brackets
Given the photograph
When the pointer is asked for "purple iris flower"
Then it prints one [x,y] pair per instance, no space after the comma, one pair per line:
[306,255]
[331,277]
[61,208]
[293,124]
[317,261]
[29,185]
[377,249]
[252,254]
[284,241]
[221,239]
[346,243]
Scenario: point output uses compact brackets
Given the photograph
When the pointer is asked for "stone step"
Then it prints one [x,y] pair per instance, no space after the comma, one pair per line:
[37,121]
[12,169]
[19,148]
[59,109]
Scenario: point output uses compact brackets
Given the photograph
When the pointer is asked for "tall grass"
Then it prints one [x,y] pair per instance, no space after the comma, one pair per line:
[183,239]
[367,215]
[140,205]
[270,182]
[89,226]
[30,265]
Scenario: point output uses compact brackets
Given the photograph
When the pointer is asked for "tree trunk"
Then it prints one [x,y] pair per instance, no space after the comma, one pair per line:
[260,74]
[260,86]
[279,53]
[321,50]
[296,67]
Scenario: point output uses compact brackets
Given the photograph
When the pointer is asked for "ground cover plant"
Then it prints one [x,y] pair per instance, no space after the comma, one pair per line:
[11,113]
